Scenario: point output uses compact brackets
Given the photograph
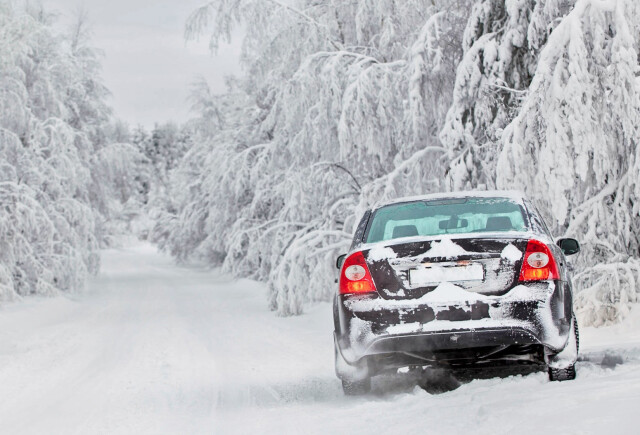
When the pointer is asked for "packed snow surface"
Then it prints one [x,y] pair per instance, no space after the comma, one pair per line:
[151,348]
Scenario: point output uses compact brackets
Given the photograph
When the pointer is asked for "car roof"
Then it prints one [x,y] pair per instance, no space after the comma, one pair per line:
[514,195]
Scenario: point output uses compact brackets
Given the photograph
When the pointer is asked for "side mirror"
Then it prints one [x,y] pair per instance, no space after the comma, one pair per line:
[569,246]
[340,260]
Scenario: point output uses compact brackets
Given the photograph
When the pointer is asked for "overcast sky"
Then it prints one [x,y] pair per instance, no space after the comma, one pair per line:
[147,65]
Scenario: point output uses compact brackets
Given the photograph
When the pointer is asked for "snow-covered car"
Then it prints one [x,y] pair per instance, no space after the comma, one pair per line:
[457,280]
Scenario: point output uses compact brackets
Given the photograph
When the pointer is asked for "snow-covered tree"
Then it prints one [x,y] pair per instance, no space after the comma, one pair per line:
[344,104]
[575,148]
[502,41]
[336,98]
[163,148]
[52,143]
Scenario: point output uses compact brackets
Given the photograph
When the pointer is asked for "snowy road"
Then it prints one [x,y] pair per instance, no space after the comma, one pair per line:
[154,348]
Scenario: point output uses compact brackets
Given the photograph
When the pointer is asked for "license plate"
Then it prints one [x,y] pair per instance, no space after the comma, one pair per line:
[435,274]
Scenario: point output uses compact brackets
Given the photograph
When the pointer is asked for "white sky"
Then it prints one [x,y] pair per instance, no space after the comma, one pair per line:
[148,67]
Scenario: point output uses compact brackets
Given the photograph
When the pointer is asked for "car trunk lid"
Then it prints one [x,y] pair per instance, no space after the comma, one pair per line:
[489,265]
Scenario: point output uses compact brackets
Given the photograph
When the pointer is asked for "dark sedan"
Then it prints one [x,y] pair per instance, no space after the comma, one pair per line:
[454,281]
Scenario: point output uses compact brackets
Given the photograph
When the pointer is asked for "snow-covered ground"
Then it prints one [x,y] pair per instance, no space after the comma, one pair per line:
[154,348]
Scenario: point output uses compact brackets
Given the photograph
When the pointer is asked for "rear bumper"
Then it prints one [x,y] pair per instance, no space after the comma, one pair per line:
[440,342]
[390,333]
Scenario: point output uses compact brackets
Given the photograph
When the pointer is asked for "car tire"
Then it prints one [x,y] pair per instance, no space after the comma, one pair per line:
[567,373]
[356,388]
[577,332]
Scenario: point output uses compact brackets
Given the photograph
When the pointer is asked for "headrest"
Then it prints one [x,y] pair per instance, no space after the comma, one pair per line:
[453,224]
[405,231]
[499,223]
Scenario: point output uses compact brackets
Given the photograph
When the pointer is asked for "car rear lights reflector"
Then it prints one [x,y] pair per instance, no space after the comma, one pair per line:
[538,264]
[355,272]
[538,260]
[355,277]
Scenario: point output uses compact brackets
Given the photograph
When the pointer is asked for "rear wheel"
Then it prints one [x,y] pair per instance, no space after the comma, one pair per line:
[356,388]
[347,373]
[564,374]
[567,373]
[577,332]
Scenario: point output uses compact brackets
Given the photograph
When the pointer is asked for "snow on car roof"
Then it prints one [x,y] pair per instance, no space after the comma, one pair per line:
[514,195]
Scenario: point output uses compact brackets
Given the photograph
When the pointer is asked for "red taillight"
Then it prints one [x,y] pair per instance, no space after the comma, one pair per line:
[355,276]
[538,263]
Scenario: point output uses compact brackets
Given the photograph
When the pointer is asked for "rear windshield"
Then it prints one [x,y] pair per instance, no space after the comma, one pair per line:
[445,216]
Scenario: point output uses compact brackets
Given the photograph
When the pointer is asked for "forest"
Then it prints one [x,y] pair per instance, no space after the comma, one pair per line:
[340,105]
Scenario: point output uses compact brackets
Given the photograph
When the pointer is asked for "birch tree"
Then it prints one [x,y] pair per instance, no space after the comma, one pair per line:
[336,97]
[574,148]
[52,120]
[501,44]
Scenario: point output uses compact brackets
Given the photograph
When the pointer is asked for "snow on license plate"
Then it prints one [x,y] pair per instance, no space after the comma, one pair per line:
[434,274]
